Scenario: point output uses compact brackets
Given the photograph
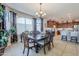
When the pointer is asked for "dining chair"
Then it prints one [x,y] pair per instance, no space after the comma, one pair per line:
[64,34]
[34,32]
[45,42]
[52,34]
[74,36]
[21,36]
[28,43]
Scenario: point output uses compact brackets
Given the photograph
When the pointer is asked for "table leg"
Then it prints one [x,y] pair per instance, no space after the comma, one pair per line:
[36,48]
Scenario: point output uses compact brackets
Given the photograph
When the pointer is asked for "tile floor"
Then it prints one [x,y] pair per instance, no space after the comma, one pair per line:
[61,48]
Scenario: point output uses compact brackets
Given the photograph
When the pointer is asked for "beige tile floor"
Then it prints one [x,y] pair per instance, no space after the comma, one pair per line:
[61,48]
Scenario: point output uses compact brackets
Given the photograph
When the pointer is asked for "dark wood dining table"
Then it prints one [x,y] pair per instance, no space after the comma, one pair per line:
[36,39]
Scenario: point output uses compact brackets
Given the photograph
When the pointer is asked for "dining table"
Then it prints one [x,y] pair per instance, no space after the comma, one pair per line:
[36,38]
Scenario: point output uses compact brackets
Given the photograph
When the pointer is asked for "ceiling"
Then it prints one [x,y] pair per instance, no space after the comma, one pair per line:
[56,11]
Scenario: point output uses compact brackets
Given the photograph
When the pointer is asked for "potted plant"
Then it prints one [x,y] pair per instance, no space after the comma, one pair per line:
[12,30]
[3,38]
[13,34]
[3,41]
[1,12]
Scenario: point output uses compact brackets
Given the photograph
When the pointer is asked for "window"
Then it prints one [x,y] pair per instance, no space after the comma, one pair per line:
[7,20]
[20,25]
[21,20]
[24,24]
[29,24]
[38,24]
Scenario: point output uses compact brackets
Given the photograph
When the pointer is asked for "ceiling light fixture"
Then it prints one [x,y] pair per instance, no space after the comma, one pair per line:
[41,13]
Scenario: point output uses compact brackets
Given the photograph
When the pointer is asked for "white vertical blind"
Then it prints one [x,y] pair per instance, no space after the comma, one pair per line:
[38,24]
[20,25]
[29,24]
[7,19]
[24,24]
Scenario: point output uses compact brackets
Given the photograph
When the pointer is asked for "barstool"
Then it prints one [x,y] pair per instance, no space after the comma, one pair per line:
[64,35]
[74,36]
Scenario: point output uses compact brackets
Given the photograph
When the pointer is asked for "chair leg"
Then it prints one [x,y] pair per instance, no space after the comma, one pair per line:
[66,38]
[52,44]
[62,38]
[21,38]
[44,50]
[49,46]
[76,40]
[23,50]
[71,39]
[28,52]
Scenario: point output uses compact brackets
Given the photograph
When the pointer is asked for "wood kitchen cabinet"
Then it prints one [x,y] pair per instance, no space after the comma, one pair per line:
[51,23]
